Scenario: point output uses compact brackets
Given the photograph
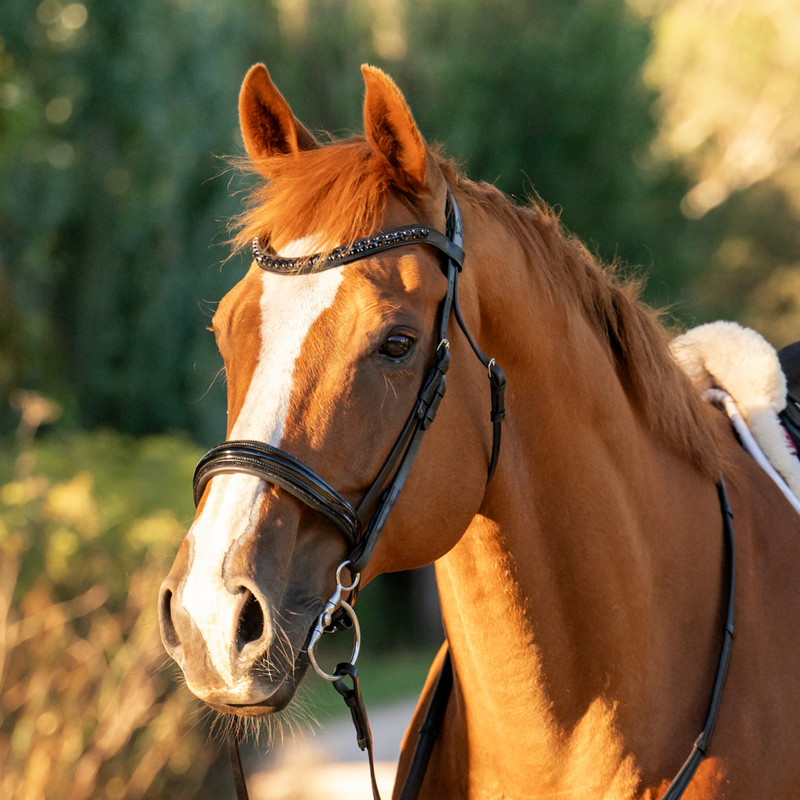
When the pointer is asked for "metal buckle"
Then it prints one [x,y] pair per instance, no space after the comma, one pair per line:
[326,618]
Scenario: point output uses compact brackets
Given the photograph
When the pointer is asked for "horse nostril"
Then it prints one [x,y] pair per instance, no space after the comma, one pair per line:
[168,632]
[250,627]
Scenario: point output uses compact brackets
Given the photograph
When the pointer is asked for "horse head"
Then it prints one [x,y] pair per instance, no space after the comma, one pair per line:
[324,364]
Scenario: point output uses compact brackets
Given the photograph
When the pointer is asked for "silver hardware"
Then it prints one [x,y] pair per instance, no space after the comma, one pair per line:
[489,366]
[326,618]
[446,344]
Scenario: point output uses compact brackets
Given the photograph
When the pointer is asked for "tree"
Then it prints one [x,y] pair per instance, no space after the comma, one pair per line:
[728,75]
[115,192]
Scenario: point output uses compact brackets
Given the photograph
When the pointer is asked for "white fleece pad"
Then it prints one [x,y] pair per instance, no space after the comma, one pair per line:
[724,355]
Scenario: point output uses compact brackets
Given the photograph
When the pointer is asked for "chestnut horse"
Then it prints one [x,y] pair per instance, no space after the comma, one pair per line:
[583,589]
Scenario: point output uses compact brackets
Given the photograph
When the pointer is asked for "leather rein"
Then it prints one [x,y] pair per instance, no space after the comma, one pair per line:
[363,525]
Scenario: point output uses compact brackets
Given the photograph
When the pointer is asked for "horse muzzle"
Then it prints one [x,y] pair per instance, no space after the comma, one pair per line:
[245,663]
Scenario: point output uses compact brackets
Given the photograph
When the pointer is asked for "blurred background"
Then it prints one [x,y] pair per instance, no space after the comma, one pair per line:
[667,132]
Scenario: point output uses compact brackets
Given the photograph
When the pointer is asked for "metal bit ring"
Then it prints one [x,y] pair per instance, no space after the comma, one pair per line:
[317,635]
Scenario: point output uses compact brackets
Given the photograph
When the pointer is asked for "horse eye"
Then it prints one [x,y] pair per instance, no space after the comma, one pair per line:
[397,346]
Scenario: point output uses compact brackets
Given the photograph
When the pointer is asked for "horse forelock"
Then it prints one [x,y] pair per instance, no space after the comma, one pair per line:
[336,193]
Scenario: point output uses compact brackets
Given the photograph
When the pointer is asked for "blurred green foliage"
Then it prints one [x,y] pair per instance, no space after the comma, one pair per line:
[115,191]
[728,79]
[89,706]
[118,497]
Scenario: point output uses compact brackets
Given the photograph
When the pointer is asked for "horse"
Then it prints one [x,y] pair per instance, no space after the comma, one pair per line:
[584,587]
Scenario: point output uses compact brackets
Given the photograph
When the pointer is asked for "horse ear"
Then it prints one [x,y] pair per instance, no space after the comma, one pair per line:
[268,126]
[391,130]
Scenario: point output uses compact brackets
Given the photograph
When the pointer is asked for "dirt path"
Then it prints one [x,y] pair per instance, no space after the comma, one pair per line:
[328,765]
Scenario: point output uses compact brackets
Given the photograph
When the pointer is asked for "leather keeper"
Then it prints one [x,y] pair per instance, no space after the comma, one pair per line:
[497,380]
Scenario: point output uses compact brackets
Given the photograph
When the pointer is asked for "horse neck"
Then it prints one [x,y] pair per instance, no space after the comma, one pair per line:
[571,602]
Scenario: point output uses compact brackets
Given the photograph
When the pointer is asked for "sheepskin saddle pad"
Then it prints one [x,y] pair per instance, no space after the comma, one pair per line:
[759,388]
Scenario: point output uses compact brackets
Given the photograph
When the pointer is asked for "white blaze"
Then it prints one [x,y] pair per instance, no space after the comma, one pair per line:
[290,304]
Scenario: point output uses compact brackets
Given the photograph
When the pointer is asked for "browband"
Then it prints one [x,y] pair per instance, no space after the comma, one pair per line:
[270,261]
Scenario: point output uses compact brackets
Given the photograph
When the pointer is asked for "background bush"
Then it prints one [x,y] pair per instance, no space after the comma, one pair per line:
[88,703]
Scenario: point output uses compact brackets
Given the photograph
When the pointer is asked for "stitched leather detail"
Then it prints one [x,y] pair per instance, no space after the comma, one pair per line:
[270,261]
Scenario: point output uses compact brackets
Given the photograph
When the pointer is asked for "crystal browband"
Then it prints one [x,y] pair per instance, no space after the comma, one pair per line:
[270,261]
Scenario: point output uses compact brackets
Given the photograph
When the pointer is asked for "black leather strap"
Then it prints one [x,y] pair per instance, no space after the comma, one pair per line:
[367,247]
[700,749]
[429,731]
[497,385]
[497,382]
[275,466]
[404,452]
[236,767]
[358,711]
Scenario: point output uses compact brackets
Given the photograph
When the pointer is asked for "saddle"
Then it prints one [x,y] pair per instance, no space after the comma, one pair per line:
[759,388]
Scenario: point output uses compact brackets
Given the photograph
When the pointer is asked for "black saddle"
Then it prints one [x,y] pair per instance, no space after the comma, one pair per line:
[789,357]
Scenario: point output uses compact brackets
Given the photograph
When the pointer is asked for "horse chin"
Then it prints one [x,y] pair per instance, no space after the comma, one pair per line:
[257,694]
[264,699]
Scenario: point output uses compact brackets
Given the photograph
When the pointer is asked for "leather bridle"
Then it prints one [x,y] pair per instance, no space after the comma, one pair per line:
[362,526]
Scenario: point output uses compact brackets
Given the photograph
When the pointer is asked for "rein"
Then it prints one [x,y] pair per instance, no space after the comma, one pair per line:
[363,525]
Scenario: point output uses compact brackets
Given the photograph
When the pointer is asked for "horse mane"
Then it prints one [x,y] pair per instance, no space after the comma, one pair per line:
[339,192]
[632,331]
